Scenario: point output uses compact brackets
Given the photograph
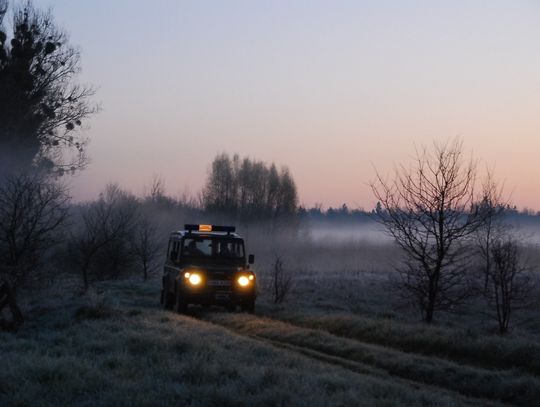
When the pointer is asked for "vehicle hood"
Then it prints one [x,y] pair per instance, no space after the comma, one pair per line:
[225,267]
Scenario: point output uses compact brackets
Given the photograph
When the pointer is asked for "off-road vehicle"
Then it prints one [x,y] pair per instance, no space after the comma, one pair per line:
[207,265]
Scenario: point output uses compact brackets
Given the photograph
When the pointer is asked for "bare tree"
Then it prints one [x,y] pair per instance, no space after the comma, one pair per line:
[145,245]
[493,207]
[105,224]
[7,298]
[511,282]
[281,281]
[429,210]
[32,210]
[156,190]
[155,193]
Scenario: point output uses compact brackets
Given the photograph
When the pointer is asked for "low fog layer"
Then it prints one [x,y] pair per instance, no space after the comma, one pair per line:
[372,232]
[339,232]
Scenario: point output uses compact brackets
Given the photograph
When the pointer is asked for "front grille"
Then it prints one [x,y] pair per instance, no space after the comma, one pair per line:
[220,281]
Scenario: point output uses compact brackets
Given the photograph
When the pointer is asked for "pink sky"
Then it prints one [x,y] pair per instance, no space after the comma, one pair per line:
[329,89]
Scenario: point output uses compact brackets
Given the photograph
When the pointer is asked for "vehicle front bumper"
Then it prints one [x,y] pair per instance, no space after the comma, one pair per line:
[208,296]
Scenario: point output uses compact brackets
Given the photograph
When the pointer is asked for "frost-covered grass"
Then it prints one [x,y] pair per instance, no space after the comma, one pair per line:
[118,347]
[505,384]
[462,345]
[341,338]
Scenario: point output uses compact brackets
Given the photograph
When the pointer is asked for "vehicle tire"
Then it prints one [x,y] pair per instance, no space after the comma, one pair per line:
[249,306]
[168,299]
[180,305]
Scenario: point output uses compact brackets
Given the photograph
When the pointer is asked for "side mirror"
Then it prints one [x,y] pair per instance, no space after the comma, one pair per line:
[251,259]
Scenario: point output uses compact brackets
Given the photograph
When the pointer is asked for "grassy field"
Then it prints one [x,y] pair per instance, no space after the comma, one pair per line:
[116,346]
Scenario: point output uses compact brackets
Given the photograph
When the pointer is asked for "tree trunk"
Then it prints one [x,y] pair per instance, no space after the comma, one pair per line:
[429,314]
[430,308]
[7,297]
[85,277]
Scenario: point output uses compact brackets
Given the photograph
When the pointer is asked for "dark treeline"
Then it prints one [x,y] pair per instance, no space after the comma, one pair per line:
[331,214]
[344,214]
[247,190]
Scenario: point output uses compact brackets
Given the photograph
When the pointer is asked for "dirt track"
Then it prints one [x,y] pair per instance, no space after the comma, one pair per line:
[276,333]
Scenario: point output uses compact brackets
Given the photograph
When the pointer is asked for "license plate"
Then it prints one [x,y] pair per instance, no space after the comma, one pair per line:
[222,296]
[219,283]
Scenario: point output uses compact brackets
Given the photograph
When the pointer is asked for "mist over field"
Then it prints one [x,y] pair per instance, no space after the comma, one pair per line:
[331,233]
[373,232]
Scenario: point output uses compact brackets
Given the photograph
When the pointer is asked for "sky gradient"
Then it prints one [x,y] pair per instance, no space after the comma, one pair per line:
[330,89]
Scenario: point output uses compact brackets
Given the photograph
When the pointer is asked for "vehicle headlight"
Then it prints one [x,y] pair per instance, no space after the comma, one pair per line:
[195,279]
[243,281]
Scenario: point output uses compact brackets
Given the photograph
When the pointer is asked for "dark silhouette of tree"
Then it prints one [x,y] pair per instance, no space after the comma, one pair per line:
[493,209]
[42,108]
[145,245]
[103,241]
[429,209]
[281,281]
[507,283]
[7,299]
[511,284]
[249,190]
[32,211]
[155,194]
[156,189]
[221,192]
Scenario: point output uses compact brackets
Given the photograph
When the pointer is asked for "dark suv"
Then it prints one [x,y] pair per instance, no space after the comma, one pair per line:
[207,265]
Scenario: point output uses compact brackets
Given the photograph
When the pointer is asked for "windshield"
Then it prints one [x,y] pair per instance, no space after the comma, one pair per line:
[209,247]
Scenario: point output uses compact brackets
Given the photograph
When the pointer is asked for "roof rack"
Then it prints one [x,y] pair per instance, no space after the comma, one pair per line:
[209,228]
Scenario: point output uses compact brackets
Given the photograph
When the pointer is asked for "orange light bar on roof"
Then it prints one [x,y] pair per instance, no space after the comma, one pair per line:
[192,227]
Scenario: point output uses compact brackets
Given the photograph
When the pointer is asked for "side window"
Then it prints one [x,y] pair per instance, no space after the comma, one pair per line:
[173,253]
[177,249]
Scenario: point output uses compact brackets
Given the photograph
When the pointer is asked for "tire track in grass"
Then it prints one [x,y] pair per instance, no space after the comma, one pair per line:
[419,370]
[486,353]
[360,368]
[427,393]
[357,367]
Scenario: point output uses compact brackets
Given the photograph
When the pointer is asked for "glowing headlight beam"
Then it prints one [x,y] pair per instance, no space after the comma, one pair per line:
[195,279]
[243,281]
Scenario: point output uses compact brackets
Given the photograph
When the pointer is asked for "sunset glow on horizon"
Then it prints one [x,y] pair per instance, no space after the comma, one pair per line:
[330,89]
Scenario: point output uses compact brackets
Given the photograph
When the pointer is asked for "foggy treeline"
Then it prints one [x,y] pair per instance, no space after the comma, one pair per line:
[246,189]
